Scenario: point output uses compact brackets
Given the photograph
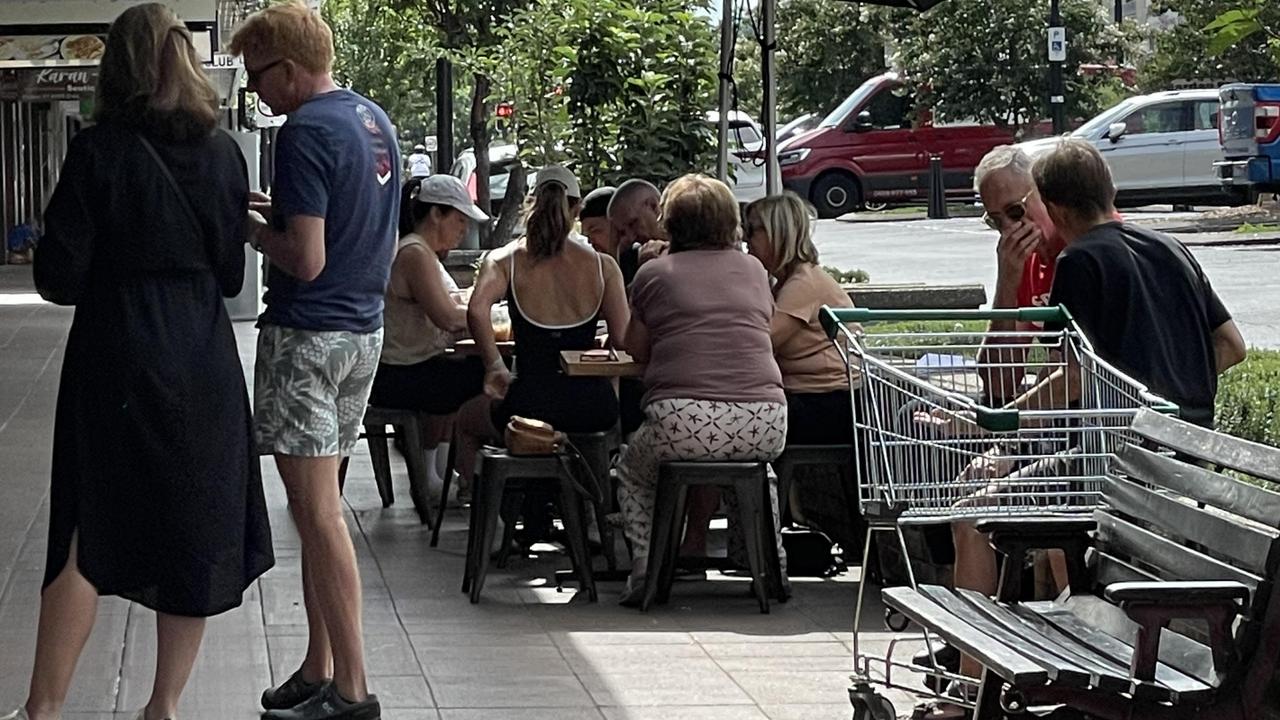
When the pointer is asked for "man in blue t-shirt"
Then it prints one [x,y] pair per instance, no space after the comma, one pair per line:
[330,241]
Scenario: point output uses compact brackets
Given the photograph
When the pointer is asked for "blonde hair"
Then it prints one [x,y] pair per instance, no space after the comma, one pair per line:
[700,213]
[151,77]
[786,221]
[290,30]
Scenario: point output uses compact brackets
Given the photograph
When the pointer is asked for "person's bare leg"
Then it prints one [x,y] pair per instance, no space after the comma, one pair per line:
[975,569]
[472,428]
[703,502]
[1058,567]
[317,666]
[177,645]
[68,608]
[330,558]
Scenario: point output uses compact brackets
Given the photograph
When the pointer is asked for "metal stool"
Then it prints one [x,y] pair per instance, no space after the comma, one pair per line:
[496,472]
[750,482]
[406,424]
[597,449]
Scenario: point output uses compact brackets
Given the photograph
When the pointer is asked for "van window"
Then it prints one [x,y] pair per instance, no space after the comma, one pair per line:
[891,109]
[743,134]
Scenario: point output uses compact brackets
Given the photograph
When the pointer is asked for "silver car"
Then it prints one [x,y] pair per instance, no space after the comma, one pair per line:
[1161,148]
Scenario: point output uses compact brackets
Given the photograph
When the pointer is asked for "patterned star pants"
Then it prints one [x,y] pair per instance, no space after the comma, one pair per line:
[697,430]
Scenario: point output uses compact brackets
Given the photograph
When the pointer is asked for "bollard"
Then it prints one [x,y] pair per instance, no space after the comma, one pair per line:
[937,189]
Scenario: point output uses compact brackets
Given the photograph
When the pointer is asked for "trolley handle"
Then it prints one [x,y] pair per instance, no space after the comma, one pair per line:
[833,318]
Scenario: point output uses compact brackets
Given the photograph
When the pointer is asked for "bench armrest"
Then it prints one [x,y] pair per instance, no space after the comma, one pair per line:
[1015,538]
[1181,593]
[1033,527]
[1152,605]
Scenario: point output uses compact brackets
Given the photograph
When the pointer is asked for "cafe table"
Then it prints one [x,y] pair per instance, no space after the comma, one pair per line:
[623,366]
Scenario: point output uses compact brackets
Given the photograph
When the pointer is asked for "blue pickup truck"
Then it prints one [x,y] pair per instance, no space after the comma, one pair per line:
[1249,129]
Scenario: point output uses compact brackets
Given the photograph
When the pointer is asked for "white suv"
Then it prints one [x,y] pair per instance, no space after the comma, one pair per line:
[1161,148]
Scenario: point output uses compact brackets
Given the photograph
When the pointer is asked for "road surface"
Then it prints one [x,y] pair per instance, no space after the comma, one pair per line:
[962,250]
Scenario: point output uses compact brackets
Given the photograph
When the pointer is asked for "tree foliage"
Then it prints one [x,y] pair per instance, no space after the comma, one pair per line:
[826,48]
[617,88]
[387,54]
[1195,50]
[987,59]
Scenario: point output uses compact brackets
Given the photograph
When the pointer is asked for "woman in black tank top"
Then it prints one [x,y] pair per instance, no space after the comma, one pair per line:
[539,389]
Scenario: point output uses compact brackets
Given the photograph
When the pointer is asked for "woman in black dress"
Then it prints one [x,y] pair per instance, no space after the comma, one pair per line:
[156,492]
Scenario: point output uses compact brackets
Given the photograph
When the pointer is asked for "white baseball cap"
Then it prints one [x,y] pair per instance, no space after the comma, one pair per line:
[449,190]
[559,174]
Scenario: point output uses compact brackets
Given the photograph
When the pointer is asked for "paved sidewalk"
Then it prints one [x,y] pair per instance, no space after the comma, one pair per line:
[526,651]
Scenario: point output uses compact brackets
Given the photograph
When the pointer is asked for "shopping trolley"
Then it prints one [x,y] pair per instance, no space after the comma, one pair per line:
[939,437]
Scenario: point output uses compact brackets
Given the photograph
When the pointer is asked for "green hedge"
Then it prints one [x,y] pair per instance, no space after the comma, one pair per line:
[1249,398]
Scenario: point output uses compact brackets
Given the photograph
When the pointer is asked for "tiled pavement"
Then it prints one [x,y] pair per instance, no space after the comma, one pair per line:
[526,651]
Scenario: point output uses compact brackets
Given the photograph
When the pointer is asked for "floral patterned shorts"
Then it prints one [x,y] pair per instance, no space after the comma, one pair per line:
[310,390]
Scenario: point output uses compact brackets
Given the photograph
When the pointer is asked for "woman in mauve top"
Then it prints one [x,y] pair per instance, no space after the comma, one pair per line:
[700,319]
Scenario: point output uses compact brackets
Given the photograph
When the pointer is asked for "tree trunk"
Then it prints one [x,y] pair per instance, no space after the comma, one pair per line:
[480,141]
[509,213]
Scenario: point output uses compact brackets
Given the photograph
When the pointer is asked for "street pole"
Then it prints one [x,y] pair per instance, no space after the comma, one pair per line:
[726,62]
[772,172]
[444,115]
[1119,11]
[1057,91]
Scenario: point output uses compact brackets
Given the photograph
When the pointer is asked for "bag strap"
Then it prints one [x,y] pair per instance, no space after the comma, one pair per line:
[594,492]
[177,189]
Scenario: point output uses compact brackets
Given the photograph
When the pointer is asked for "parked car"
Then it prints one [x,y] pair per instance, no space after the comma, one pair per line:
[870,150]
[1249,130]
[1161,148]
[501,159]
[746,159]
[799,126]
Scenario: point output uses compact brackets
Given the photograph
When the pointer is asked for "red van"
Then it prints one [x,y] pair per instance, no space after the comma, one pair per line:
[868,151]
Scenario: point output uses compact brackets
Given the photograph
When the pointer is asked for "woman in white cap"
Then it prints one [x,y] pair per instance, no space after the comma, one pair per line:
[555,291]
[425,312]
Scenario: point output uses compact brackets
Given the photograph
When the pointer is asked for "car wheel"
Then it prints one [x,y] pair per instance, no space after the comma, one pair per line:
[835,195]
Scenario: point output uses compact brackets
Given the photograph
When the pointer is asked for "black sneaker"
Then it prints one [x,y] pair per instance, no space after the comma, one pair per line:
[327,704]
[290,693]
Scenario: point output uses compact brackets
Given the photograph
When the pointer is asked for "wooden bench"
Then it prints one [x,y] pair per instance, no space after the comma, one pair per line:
[1172,610]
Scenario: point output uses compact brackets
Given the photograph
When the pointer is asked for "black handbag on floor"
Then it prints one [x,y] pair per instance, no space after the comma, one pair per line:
[811,553]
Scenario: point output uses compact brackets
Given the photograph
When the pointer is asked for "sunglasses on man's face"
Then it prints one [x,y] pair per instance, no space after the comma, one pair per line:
[254,75]
[1014,213]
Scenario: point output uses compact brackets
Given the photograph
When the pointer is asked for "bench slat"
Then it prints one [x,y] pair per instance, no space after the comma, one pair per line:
[1108,674]
[1109,569]
[1062,670]
[1251,547]
[1212,488]
[1248,457]
[1000,659]
[1118,536]
[1116,641]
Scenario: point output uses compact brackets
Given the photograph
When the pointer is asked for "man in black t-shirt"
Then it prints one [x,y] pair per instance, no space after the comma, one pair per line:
[1139,296]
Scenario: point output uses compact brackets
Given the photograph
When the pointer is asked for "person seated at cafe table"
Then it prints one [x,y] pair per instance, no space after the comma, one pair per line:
[814,378]
[700,319]
[638,236]
[593,217]
[423,312]
[556,290]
